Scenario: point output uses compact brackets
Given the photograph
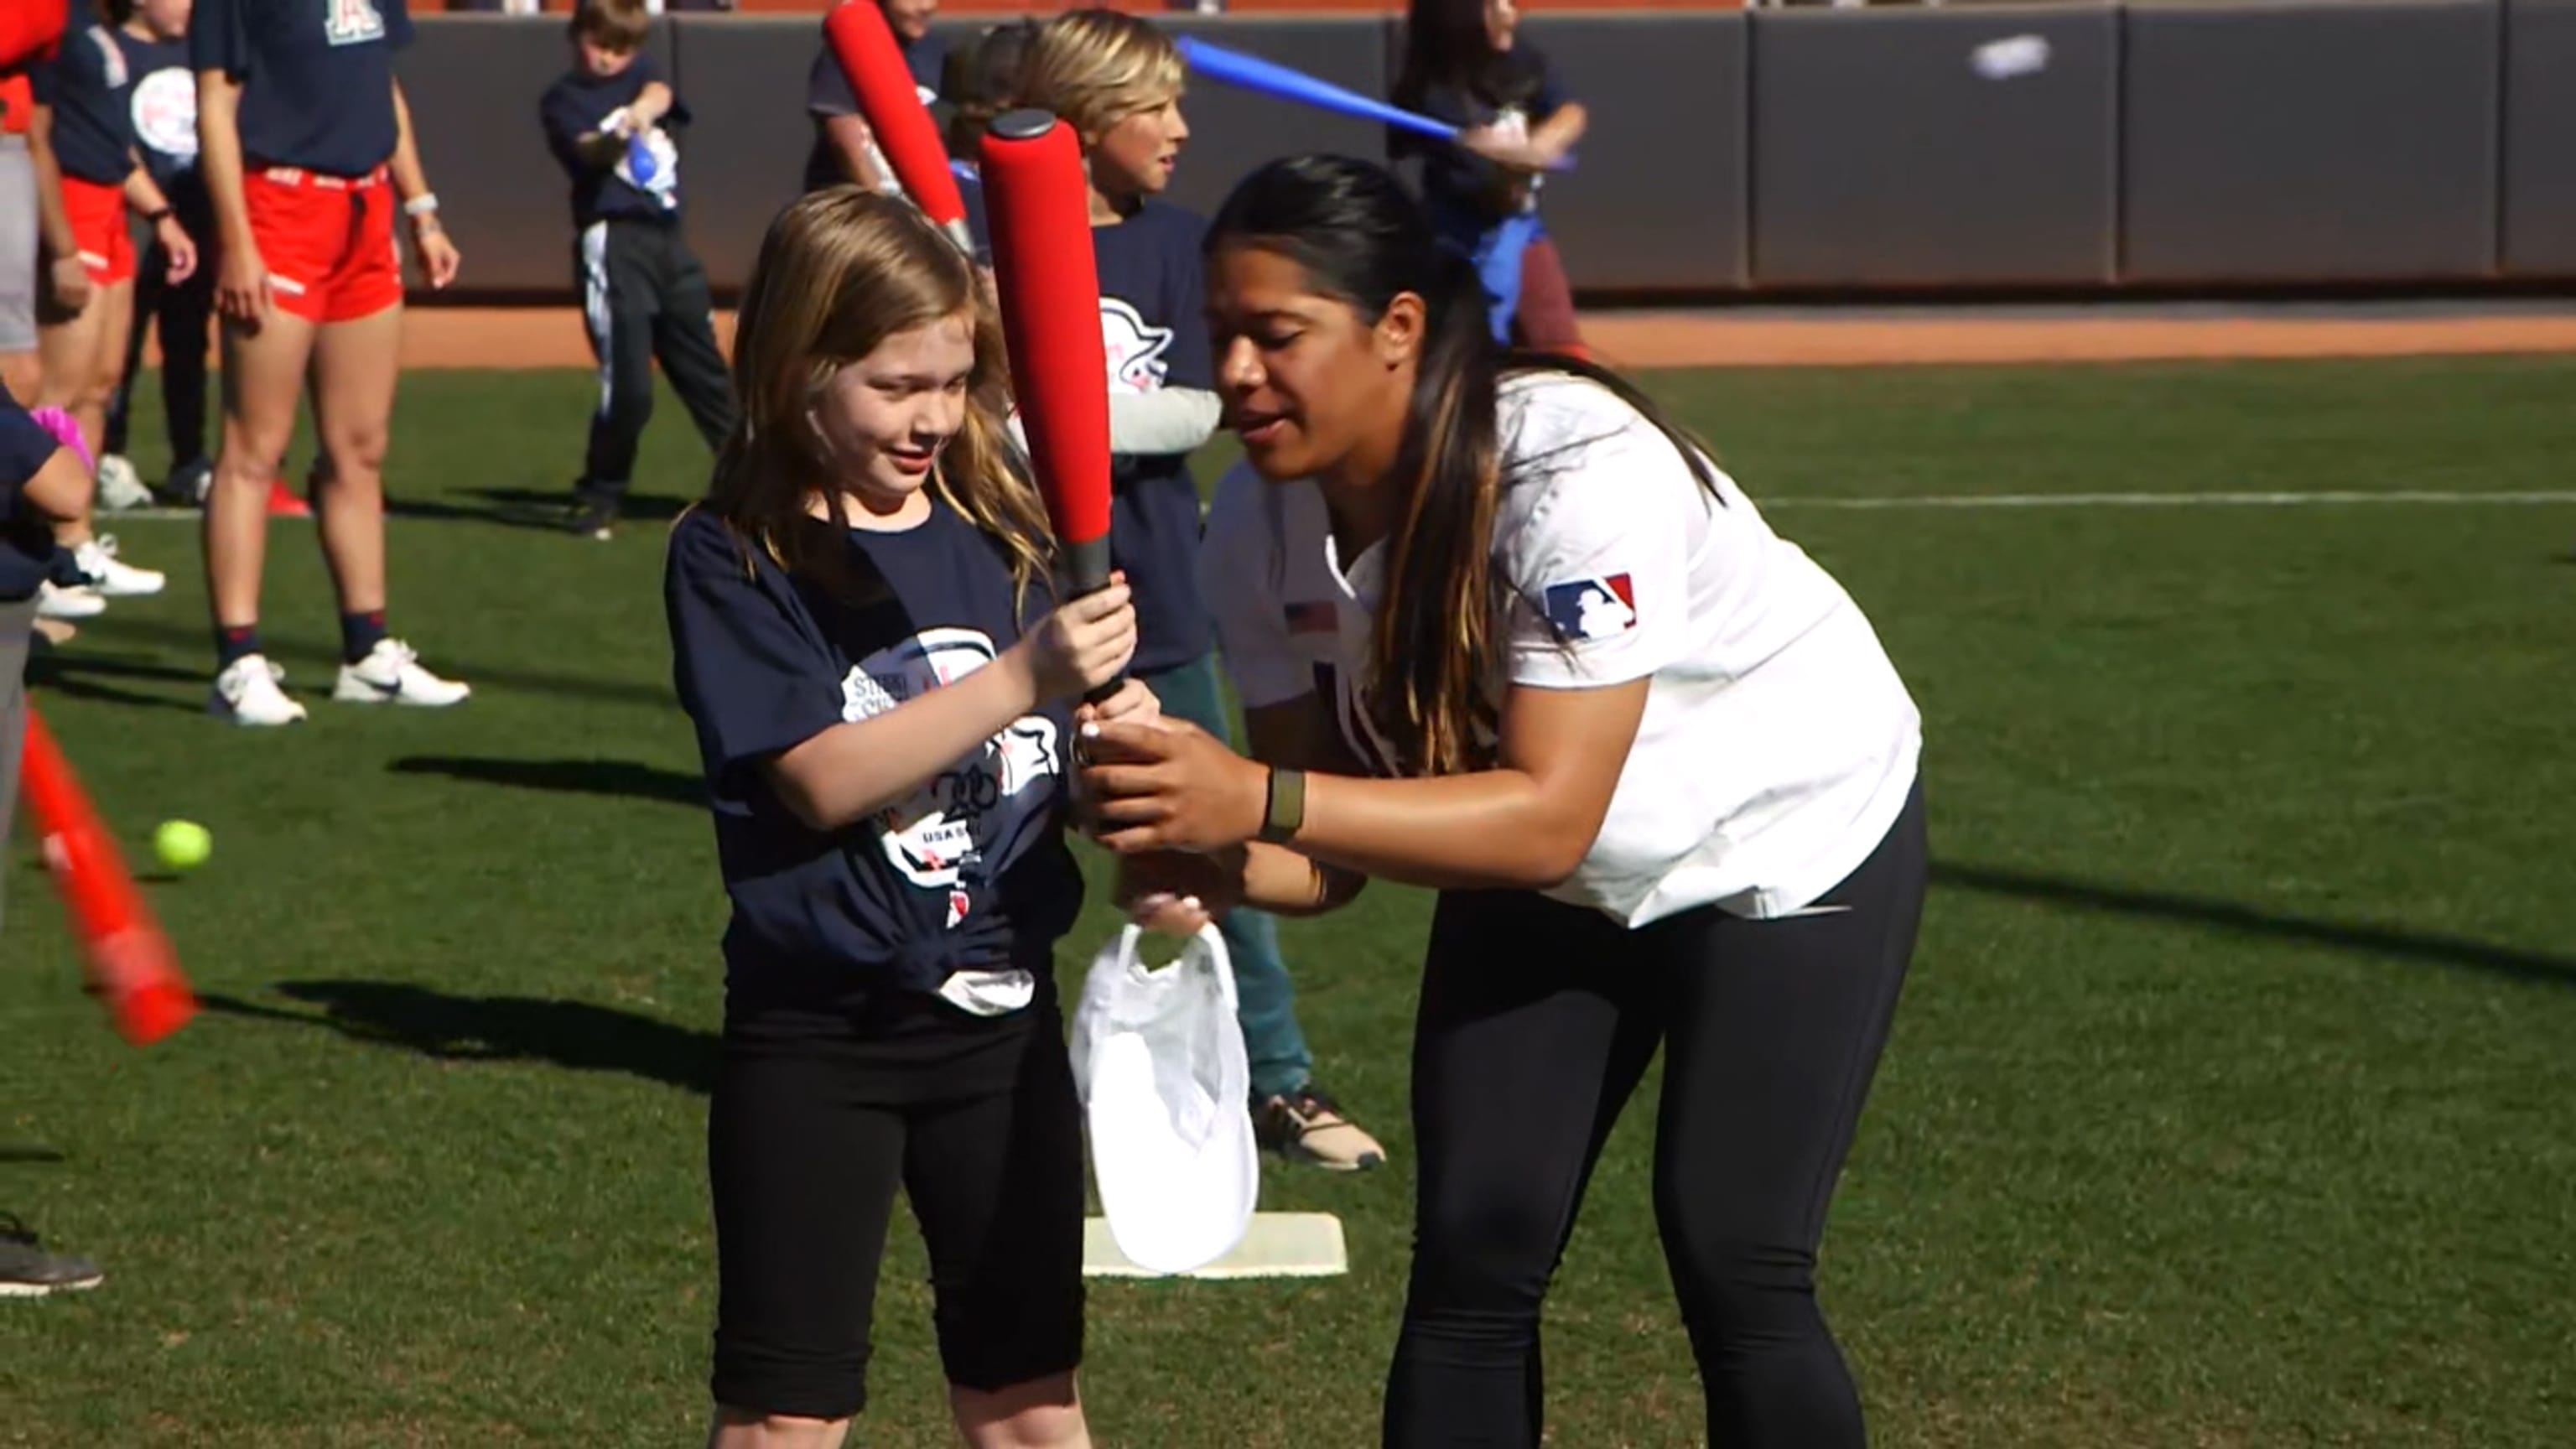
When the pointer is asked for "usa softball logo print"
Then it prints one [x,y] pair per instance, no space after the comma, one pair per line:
[1594,608]
[353,22]
[1136,361]
[165,111]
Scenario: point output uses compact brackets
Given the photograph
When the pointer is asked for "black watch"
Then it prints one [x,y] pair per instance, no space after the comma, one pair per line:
[157,217]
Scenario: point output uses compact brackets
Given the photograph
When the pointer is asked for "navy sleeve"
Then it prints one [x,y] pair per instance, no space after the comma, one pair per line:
[44,79]
[397,14]
[754,682]
[827,91]
[560,111]
[25,447]
[645,73]
[216,39]
[1185,307]
[1551,97]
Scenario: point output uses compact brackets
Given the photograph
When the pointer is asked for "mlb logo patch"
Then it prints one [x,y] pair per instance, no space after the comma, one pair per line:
[1595,608]
[1316,618]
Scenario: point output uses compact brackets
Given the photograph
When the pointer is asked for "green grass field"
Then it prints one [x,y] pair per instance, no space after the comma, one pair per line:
[2218,1110]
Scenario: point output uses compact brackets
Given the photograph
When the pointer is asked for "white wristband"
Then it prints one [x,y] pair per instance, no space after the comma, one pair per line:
[421,205]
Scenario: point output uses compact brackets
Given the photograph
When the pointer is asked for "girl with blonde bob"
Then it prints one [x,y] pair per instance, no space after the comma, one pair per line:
[1117,80]
[882,683]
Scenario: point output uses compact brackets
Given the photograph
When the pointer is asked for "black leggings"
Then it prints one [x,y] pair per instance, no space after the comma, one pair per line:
[1537,1021]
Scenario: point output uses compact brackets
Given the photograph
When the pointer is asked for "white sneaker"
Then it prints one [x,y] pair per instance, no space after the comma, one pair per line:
[79,601]
[114,580]
[247,693]
[119,486]
[391,674]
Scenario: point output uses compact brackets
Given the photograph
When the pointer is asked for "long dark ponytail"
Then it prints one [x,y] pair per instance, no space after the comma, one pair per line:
[1361,238]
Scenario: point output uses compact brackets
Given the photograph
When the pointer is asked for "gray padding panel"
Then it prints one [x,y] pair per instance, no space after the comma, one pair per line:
[2311,143]
[1925,147]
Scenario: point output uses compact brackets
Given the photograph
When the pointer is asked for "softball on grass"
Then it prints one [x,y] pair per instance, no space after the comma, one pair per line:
[182,844]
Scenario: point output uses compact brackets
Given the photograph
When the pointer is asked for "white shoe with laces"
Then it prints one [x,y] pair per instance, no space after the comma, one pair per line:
[391,674]
[119,486]
[115,579]
[78,601]
[247,693]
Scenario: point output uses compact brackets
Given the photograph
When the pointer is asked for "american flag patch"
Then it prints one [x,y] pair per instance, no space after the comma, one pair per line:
[1593,608]
[1315,618]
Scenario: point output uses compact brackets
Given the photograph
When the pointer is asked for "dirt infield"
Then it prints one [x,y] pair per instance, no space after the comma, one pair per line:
[450,337]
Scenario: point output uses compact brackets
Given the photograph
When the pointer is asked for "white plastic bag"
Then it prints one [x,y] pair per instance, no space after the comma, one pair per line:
[1166,1091]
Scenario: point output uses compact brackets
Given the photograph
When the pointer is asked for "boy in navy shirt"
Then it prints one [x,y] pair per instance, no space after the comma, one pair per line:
[1117,81]
[163,104]
[644,293]
[844,151]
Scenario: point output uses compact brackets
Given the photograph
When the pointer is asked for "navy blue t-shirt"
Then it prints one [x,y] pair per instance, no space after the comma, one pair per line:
[972,871]
[828,93]
[28,554]
[1152,321]
[1456,181]
[574,106]
[162,107]
[87,84]
[317,77]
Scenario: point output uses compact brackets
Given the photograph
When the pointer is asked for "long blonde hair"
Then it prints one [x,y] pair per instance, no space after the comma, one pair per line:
[1096,67]
[841,270]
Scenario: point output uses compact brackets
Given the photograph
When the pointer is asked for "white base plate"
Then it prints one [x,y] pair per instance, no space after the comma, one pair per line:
[1275,1245]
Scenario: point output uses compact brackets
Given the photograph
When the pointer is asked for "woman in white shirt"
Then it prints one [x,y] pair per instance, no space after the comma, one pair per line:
[1501,630]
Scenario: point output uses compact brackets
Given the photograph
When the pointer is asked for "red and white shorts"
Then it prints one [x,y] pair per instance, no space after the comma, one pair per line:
[328,241]
[97,215]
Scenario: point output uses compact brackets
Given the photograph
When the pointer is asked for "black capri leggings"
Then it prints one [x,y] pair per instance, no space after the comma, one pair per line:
[817,1116]
[1537,1021]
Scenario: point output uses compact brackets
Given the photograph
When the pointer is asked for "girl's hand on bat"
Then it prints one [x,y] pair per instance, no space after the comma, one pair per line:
[1133,702]
[1083,644]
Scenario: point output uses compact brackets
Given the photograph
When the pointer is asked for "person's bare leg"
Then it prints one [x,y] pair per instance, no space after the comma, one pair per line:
[743,1429]
[1040,1414]
[263,376]
[92,356]
[355,367]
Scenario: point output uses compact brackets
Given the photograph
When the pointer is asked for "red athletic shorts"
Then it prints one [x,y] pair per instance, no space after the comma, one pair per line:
[97,215]
[328,241]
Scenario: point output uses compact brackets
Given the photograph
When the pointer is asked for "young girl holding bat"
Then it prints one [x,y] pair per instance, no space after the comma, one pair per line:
[883,690]
[1511,635]
[1117,81]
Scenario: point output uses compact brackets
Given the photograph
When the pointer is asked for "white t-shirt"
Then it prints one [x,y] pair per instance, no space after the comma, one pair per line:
[1778,744]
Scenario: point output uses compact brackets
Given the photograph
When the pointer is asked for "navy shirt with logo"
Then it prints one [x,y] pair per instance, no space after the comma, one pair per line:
[317,77]
[828,93]
[574,106]
[28,554]
[971,872]
[1151,319]
[162,107]
[87,83]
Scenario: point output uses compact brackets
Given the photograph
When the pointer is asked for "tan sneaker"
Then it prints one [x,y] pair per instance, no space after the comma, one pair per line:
[1306,1126]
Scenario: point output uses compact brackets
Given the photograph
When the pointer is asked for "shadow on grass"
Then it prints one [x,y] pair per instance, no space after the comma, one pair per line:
[622,778]
[74,674]
[571,1034]
[2454,952]
[530,508]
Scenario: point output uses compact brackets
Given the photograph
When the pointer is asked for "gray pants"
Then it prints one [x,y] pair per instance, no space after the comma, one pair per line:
[17,626]
[18,246]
